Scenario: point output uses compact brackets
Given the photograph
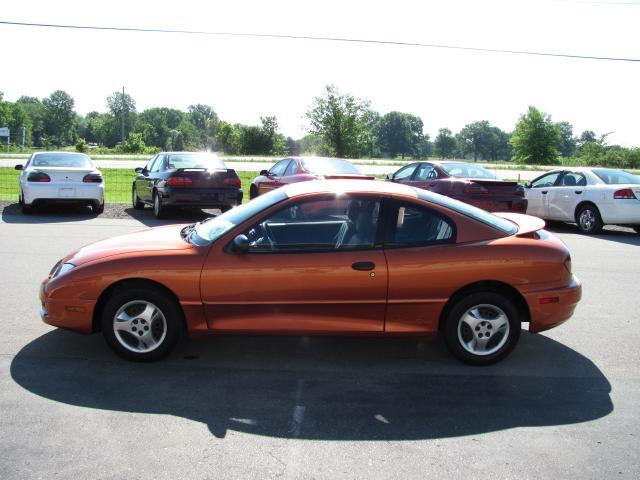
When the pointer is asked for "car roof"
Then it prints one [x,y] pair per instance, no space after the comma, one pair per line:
[348,186]
[60,153]
[188,153]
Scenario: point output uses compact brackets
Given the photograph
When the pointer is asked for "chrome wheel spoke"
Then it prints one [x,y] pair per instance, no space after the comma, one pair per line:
[472,318]
[123,322]
[483,329]
[140,326]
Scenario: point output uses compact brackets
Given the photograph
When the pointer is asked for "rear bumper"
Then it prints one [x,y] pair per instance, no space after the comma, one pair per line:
[508,204]
[550,308]
[201,197]
[68,193]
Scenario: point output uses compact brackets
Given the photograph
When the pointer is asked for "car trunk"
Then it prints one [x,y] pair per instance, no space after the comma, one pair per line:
[205,178]
[66,174]
[499,187]
[346,176]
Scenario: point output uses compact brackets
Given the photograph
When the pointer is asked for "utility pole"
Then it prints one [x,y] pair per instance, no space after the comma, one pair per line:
[122,115]
[24,132]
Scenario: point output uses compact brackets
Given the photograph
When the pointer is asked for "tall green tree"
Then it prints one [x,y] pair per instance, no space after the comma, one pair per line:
[35,110]
[123,107]
[205,121]
[340,120]
[476,138]
[567,142]
[59,118]
[400,134]
[444,145]
[535,139]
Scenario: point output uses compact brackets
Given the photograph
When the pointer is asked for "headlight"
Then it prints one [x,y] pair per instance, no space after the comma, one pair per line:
[61,269]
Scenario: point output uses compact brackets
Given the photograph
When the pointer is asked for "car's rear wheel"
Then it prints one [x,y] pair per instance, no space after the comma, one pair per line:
[135,200]
[26,209]
[482,328]
[97,208]
[159,210]
[141,324]
[588,219]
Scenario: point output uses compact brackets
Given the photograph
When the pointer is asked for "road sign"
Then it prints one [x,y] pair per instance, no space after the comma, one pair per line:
[4,132]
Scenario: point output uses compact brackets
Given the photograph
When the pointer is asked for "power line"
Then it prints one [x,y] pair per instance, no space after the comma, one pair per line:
[318,38]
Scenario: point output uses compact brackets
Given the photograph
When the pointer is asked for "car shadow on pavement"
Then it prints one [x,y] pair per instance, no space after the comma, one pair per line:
[610,233]
[12,213]
[323,388]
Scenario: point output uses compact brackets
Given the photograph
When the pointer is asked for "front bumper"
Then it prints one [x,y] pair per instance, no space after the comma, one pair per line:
[550,308]
[73,315]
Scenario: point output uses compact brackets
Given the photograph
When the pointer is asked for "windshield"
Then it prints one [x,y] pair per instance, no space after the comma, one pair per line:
[66,160]
[329,166]
[467,170]
[213,228]
[469,210]
[616,177]
[195,160]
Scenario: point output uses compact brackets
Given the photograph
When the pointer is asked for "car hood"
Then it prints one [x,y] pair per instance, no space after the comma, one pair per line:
[151,240]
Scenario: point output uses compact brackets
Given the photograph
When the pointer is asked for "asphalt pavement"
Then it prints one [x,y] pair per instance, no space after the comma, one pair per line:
[563,405]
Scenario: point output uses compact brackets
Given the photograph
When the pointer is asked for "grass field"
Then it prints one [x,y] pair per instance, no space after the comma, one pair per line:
[117,183]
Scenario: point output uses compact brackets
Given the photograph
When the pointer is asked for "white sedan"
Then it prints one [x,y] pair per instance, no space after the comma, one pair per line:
[60,177]
[590,197]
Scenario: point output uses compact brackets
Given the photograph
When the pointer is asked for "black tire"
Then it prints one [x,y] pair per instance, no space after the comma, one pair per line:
[225,208]
[26,209]
[159,210]
[97,208]
[135,200]
[253,192]
[588,219]
[161,332]
[469,344]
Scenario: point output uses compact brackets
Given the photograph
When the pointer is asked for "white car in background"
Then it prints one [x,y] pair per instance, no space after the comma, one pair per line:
[590,197]
[60,177]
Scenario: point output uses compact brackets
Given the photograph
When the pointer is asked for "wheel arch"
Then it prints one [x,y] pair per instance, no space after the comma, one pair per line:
[494,286]
[127,284]
[582,204]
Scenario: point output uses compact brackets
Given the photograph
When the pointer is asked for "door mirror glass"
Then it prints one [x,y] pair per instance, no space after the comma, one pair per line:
[19,167]
[240,244]
[139,170]
[527,185]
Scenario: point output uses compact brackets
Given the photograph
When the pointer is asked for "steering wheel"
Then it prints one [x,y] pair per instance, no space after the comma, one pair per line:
[260,236]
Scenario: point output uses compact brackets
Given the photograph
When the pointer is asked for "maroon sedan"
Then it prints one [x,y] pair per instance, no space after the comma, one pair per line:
[302,169]
[467,182]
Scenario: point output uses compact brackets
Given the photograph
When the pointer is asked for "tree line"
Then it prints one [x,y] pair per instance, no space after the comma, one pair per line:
[339,124]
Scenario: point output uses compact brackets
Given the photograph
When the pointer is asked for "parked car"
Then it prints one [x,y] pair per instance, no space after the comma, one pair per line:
[302,169]
[185,179]
[60,178]
[339,257]
[590,197]
[467,182]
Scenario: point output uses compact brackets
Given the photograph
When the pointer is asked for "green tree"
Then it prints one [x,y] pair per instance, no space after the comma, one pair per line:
[444,145]
[122,106]
[339,120]
[205,121]
[35,110]
[567,143]
[476,138]
[228,138]
[134,143]
[400,134]
[59,117]
[535,139]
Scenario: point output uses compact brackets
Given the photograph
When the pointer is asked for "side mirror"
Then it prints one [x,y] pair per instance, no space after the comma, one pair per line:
[527,185]
[19,167]
[389,176]
[264,172]
[240,244]
[139,170]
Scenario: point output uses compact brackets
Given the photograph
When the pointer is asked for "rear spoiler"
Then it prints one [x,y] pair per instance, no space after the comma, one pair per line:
[187,170]
[527,224]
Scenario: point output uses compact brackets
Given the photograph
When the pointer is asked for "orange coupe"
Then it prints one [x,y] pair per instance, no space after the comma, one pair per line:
[329,257]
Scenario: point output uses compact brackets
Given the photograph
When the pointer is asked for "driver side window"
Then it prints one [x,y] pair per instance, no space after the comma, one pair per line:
[405,172]
[279,168]
[326,224]
[548,180]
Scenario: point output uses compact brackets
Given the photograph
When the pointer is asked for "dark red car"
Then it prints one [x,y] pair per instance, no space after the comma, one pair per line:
[467,182]
[302,169]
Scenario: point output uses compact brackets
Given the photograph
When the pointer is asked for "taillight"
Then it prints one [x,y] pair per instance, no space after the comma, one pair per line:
[38,177]
[475,189]
[624,193]
[92,178]
[232,182]
[173,181]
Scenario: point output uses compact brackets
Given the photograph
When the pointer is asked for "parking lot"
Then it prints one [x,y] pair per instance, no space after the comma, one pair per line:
[563,405]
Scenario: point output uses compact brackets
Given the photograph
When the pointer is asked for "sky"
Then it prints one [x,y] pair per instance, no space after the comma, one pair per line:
[246,78]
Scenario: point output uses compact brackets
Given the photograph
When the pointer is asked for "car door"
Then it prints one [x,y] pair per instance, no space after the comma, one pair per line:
[313,265]
[417,238]
[142,180]
[273,178]
[565,196]
[537,194]
[425,177]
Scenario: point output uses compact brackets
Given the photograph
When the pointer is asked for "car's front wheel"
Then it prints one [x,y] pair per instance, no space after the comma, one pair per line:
[482,328]
[141,324]
[588,219]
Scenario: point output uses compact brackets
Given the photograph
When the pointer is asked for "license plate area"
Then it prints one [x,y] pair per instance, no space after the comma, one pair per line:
[66,192]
